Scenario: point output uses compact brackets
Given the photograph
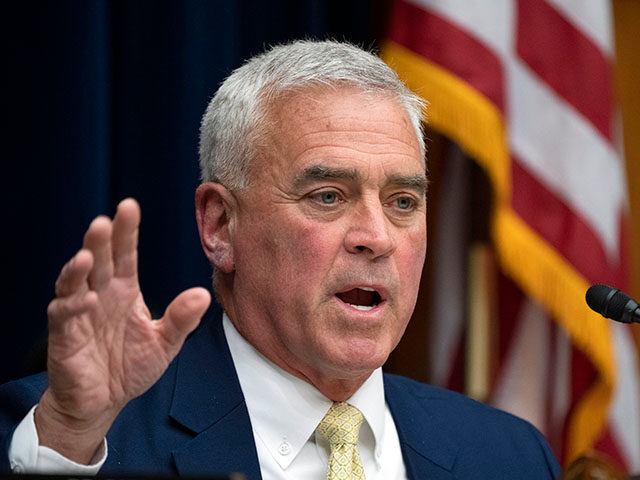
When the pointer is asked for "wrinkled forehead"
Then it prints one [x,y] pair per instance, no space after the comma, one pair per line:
[289,113]
[337,128]
[277,106]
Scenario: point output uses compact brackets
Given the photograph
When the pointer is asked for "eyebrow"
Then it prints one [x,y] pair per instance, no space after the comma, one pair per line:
[320,172]
[419,183]
[314,173]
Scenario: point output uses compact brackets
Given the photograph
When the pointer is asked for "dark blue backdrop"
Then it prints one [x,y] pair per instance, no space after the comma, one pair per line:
[102,100]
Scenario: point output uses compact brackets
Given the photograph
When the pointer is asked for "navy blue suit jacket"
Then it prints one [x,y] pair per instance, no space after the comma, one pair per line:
[194,421]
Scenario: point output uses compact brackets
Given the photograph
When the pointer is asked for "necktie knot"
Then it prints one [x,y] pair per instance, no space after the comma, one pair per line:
[341,424]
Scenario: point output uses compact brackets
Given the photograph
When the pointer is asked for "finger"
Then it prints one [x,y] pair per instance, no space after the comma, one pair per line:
[61,310]
[183,315]
[73,276]
[125,238]
[98,241]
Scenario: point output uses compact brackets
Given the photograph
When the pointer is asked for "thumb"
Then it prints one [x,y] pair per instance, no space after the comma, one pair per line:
[183,314]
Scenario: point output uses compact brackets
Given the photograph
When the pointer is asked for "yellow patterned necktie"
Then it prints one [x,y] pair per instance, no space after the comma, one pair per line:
[341,427]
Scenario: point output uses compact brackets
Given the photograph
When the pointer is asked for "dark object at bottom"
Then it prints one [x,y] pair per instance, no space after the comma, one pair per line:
[9,476]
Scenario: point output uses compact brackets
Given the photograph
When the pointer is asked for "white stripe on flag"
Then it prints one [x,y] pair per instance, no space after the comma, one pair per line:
[522,386]
[567,154]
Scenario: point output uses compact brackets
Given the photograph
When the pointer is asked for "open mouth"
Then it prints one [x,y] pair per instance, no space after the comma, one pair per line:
[361,298]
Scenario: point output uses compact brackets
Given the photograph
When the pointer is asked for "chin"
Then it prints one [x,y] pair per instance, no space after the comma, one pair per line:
[359,359]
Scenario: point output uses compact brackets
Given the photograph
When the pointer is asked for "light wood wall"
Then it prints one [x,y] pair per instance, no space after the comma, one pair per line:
[627,27]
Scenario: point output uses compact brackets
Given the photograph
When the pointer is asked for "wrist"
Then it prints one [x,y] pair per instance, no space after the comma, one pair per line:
[77,439]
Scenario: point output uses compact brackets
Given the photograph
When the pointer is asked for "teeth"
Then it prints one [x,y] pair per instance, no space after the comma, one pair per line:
[364,308]
[367,289]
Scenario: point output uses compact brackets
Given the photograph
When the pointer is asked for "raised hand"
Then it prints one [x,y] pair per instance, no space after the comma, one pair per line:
[104,348]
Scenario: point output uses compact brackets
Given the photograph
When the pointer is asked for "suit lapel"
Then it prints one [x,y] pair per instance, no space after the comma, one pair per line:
[427,449]
[208,401]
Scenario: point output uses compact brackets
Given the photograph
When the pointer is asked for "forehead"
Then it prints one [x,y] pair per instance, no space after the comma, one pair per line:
[341,125]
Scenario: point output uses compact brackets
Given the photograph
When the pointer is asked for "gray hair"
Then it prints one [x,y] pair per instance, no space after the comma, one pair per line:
[235,117]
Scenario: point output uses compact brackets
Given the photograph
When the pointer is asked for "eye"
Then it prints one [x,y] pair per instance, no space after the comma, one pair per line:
[328,197]
[405,203]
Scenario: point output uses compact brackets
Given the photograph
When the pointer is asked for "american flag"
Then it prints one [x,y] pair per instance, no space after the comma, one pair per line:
[525,89]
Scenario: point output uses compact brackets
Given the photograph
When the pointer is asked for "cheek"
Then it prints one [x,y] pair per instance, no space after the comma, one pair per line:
[410,260]
[311,251]
[295,251]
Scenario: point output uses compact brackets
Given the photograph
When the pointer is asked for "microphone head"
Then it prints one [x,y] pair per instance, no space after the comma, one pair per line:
[596,297]
[607,301]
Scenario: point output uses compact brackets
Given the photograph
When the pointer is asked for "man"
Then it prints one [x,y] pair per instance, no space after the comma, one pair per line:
[312,212]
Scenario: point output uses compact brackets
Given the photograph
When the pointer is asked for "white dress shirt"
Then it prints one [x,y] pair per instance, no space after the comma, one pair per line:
[26,455]
[284,412]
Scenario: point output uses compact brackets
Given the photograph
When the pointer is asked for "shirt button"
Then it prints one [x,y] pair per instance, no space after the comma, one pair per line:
[284,448]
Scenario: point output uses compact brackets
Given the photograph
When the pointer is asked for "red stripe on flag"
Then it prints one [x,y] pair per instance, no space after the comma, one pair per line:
[456,378]
[449,46]
[624,276]
[547,42]
[608,443]
[561,227]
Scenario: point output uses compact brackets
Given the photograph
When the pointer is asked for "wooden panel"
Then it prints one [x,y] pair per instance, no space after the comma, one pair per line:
[627,26]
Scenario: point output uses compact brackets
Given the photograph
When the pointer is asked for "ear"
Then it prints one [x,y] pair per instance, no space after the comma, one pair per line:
[215,207]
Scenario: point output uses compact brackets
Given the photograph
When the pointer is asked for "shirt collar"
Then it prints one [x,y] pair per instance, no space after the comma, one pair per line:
[284,409]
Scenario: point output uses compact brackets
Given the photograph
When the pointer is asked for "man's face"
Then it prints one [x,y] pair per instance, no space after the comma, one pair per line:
[330,239]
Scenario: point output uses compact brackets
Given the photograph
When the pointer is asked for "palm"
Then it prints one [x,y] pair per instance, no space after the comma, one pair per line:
[104,348]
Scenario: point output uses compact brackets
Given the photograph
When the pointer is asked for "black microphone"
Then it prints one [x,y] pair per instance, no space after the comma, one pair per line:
[612,303]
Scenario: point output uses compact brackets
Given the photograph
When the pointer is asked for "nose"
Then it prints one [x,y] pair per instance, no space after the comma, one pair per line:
[370,232]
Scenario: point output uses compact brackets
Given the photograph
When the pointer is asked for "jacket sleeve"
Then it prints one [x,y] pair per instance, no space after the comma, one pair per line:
[552,462]
[16,399]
